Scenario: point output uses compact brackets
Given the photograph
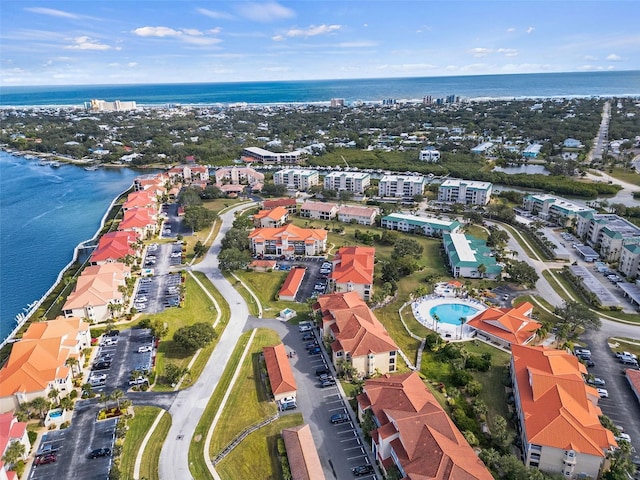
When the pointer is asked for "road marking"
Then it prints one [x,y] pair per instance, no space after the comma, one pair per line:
[359,456]
[340,408]
[354,448]
[346,431]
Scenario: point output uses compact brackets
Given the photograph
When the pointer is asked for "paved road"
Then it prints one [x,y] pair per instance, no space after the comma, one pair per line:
[190,403]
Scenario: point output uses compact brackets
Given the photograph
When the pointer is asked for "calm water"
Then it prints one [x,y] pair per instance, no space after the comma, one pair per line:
[451,312]
[44,213]
[481,86]
[530,169]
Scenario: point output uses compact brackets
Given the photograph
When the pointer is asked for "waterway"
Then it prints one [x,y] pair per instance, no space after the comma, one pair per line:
[45,213]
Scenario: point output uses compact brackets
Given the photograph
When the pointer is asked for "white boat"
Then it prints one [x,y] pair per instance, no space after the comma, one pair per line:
[54,164]
[91,168]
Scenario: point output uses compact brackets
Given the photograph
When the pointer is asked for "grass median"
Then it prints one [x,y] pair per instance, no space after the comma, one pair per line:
[139,425]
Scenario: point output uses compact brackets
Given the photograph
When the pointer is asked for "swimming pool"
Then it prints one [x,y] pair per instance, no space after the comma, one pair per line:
[451,312]
[55,413]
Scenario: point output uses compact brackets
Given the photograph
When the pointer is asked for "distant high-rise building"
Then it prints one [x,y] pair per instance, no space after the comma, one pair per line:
[389,101]
[337,102]
[427,100]
[104,106]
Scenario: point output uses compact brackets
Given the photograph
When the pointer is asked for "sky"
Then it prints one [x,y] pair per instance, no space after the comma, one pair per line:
[182,41]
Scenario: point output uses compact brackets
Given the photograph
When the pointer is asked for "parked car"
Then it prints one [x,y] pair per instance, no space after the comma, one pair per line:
[339,418]
[626,354]
[328,382]
[582,351]
[100,452]
[288,406]
[314,351]
[362,470]
[145,348]
[589,363]
[603,393]
[138,381]
[322,371]
[596,382]
[304,328]
[112,333]
[307,336]
[45,459]
[101,366]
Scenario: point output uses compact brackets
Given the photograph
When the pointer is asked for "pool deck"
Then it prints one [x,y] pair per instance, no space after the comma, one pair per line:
[423,305]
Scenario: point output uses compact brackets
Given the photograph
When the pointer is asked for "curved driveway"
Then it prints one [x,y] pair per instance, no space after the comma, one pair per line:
[190,403]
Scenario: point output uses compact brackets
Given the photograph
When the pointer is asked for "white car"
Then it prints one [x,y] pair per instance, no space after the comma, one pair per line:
[603,393]
[138,381]
[145,348]
[141,299]
[98,377]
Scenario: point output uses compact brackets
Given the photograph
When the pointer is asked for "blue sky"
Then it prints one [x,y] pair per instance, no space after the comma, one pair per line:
[181,41]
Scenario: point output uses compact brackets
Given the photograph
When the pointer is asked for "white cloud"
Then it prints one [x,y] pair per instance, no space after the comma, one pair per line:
[201,40]
[312,31]
[87,43]
[276,69]
[483,52]
[590,58]
[156,32]
[511,29]
[480,51]
[508,52]
[530,29]
[214,14]
[365,25]
[191,31]
[614,58]
[214,31]
[277,38]
[53,13]
[132,64]
[265,12]
[406,67]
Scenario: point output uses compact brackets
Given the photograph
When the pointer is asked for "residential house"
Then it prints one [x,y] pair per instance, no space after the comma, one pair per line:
[288,203]
[140,199]
[302,454]
[38,362]
[355,182]
[466,192]
[401,186]
[319,210]
[263,265]
[97,292]
[142,221]
[357,335]
[470,257]
[260,155]
[12,431]
[279,372]
[505,326]
[296,178]
[353,271]
[413,433]
[429,226]
[483,148]
[271,218]
[288,240]
[291,284]
[356,214]
[429,155]
[558,413]
[114,247]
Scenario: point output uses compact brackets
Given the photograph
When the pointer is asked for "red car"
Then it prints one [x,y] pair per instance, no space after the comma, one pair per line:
[44,459]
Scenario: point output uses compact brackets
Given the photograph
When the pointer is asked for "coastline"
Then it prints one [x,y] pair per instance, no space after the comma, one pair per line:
[36,305]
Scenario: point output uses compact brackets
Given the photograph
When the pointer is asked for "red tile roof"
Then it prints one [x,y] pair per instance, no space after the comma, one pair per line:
[279,370]
[291,231]
[98,286]
[140,198]
[302,454]
[274,214]
[509,324]
[355,328]
[354,265]
[10,429]
[633,377]
[318,206]
[428,445]
[114,246]
[292,282]
[137,218]
[279,202]
[560,410]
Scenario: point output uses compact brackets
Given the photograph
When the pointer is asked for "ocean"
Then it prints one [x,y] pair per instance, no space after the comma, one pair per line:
[44,213]
[547,85]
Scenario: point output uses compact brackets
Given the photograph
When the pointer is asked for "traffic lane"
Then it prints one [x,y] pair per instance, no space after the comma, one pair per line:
[621,406]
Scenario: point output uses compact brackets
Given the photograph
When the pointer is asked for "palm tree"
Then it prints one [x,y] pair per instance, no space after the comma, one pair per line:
[436,319]
[117,395]
[54,394]
[463,320]
[14,453]
[41,405]
[482,269]
[72,362]
[66,403]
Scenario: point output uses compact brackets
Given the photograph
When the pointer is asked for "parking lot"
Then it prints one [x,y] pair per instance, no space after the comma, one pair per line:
[314,283]
[161,289]
[173,225]
[339,444]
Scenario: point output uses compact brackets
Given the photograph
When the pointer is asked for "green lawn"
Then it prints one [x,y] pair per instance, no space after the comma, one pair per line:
[249,402]
[476,231]
[139,425]
[266,286]
[630,346]
[197,465]
[256,457]
[626,175]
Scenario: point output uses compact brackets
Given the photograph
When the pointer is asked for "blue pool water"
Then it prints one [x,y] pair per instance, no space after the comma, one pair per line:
[55,413]
[451,312]
[287,311]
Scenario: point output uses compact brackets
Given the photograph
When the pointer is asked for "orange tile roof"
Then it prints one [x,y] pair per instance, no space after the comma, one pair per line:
[274,214]
[279,370]
[114,246]
[560,410]
[140,198]
[355,328]
[633,377]
[354,265]
[429,446]
[137,218]
[292,282]
[291,232]
[279,202]
[302,454]
[98,285]
[263,264]
[38,359]
[509,324]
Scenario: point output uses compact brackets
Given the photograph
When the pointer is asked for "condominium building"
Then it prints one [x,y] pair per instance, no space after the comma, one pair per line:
[607,231]
[288,240]
[429,226]
[116,106]
[356,214]
[465,191]
[260,155]
[296,178]
[357,336]
[355,182]
[238,176]
[629,263]
[554,209]
[319,210]
[429,155]
[558,413]
[353,271]
[413,433]
[401,186]
[470,257]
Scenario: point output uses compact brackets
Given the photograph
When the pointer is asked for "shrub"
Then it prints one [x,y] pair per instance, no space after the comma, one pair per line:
[460,378]
[64,425]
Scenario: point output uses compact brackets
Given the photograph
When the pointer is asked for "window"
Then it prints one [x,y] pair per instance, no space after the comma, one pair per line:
[392,354]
